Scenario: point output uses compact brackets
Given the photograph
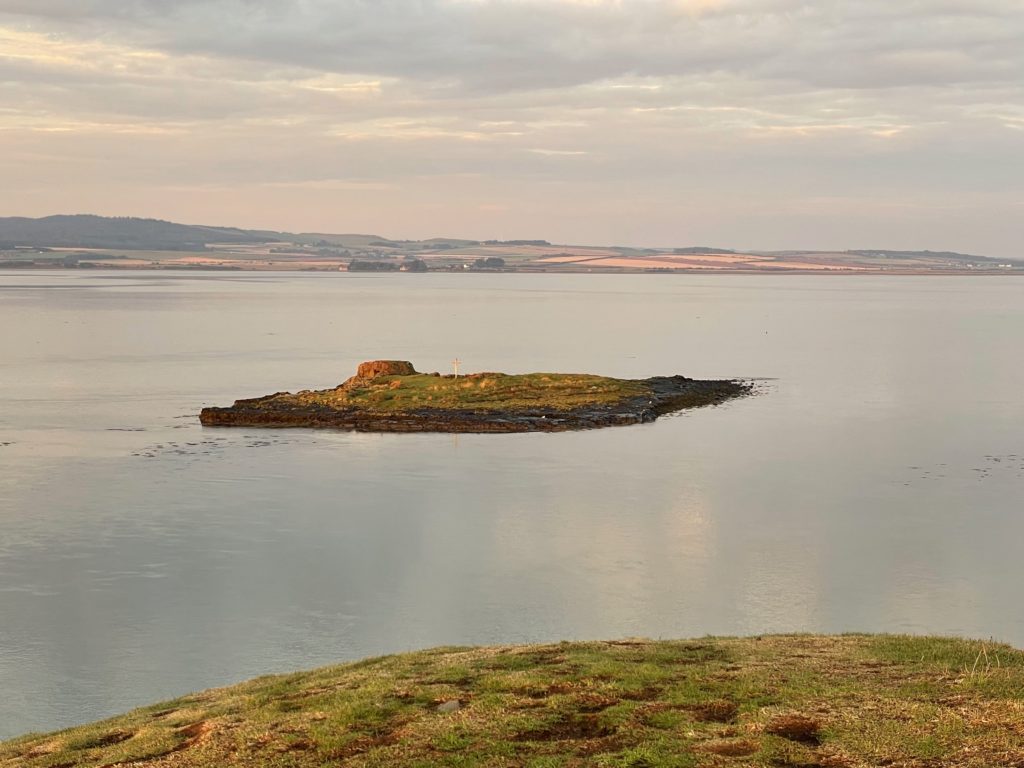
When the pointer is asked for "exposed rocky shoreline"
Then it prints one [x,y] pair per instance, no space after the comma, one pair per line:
[653,397]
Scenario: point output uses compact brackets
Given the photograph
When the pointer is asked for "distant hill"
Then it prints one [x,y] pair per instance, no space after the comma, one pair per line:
[324,239]
[129,233]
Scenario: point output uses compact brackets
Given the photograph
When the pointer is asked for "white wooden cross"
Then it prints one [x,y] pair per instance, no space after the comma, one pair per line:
[456,362]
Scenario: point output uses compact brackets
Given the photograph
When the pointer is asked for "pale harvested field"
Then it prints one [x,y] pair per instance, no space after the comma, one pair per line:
[539,250]
[567,259]
[714,258]
[646,264]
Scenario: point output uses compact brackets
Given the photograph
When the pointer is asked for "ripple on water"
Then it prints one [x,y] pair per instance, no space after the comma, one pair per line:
[990,467]
[211,447]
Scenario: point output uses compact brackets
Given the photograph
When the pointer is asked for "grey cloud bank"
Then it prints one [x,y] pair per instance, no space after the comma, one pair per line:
[768,123]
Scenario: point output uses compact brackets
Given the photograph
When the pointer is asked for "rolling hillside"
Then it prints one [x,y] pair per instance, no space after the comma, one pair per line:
[100,232]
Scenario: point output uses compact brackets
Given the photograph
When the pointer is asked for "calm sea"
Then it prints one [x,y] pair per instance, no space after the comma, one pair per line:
[875,484]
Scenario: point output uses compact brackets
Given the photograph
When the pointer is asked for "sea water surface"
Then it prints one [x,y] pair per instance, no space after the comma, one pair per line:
[875,483]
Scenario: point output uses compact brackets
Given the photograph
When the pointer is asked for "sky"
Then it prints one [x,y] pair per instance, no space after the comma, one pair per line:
[766,124]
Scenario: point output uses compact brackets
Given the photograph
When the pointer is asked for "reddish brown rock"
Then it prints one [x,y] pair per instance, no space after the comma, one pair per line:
[374,368]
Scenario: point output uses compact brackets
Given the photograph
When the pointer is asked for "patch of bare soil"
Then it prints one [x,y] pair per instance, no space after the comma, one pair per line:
[114,737]
[364,744]
[590,703]
[731,747]
[795,727]
[567,728]
[718,711]
[193,735]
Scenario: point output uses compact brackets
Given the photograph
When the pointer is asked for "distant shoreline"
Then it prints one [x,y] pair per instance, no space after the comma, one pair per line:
[93,242]
[15,268]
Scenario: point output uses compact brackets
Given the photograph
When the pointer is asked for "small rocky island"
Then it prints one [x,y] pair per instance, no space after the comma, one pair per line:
[391,396]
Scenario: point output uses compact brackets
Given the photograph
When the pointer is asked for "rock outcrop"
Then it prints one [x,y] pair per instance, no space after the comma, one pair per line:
[374,368]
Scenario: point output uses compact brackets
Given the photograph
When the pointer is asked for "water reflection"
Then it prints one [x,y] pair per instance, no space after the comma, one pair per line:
[143,556]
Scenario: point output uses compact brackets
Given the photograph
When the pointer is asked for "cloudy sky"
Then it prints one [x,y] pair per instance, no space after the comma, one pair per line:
[738,123]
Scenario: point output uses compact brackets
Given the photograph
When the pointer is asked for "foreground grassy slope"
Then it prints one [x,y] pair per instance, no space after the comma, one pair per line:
[773,701]
[479,391]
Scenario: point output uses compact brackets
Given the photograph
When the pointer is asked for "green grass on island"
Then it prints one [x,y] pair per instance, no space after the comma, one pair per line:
[798,701]
[477,391]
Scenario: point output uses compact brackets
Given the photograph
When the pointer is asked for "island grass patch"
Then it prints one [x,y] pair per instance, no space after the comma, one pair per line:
[771,701]
[480,391]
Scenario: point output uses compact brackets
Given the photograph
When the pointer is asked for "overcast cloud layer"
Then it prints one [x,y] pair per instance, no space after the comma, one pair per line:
[740,123]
